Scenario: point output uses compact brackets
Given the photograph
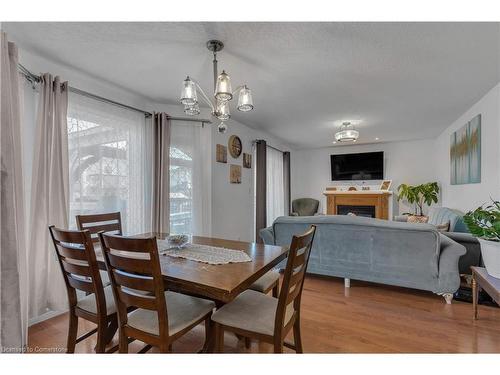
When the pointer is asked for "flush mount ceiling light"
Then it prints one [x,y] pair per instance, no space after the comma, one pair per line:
[346,133]
[222,93]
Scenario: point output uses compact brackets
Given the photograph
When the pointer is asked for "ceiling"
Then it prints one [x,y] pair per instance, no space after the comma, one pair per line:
[400,81]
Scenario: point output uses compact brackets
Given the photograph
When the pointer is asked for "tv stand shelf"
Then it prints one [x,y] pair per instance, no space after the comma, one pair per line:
[380,199]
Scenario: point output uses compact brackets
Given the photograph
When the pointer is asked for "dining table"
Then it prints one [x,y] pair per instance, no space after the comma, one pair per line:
[218,282]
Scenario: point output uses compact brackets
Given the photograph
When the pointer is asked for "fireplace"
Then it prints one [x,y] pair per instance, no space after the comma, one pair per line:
[366,211]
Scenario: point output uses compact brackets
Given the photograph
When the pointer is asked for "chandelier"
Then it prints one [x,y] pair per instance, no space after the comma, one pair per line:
[346,133]
[223,93]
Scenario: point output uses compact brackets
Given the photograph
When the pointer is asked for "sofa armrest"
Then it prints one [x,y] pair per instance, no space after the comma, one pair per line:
[401,218]
[473,247]
[449,277]
[267,235]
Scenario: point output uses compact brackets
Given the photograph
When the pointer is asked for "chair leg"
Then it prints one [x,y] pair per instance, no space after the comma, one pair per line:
[276,290]
[278,345]
[297,339]
[123,345]
[72,332]
[219,338]
[165,348]
[208,346]
[248,342]
[102,328]
[111,330]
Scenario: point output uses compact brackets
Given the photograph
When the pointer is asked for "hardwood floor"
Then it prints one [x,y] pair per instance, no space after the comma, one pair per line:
[367,318]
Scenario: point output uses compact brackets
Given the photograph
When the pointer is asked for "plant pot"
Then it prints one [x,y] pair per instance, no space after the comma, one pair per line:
[490,251]
[418,219]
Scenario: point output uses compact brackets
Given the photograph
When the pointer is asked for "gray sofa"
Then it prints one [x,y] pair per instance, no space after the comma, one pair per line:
[409,255]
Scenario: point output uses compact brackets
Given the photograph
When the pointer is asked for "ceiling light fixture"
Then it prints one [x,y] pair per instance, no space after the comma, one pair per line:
[346,133]
[222,93]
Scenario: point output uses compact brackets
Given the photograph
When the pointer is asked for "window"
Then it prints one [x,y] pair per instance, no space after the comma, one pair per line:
[275,188]
[190,183]
[109,166]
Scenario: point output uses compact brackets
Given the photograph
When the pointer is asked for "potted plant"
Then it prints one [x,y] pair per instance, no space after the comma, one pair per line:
[484,223]
[417,195]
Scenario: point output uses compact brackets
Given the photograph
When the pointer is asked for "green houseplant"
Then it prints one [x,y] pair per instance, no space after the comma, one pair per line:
[417,195]
[484,223]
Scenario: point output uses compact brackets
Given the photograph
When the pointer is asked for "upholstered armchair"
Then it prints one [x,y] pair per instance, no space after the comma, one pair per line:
[304,207]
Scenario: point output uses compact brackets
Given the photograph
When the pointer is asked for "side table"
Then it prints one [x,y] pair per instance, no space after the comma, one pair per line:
[490,284]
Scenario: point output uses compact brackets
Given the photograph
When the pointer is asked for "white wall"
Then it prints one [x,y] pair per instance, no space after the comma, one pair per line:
[404,162]
[469,196]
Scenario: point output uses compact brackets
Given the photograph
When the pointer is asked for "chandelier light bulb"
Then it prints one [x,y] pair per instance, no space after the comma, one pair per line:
[223,91]
[222,111]
[188,94]
[245,101]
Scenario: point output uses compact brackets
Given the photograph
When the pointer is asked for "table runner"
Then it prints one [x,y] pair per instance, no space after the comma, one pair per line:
[206,254]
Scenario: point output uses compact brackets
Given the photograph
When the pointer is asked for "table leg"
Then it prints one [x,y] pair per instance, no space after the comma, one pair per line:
[474,296]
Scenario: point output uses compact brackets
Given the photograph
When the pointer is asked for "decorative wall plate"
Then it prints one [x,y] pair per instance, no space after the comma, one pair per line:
[235,146]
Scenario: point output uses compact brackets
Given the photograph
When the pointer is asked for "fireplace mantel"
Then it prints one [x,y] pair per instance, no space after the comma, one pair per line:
[380,199]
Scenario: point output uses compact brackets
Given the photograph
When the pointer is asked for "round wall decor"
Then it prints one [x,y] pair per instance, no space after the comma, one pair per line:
[235,147]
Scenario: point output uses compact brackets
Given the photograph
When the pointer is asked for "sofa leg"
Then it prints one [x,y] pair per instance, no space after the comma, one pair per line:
[347,283]
[448,297]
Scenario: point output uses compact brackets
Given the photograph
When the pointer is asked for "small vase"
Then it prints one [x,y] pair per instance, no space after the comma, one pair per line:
[490,251]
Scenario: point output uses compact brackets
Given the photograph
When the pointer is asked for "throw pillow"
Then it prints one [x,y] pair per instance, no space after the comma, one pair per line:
[444,227]
[417,219]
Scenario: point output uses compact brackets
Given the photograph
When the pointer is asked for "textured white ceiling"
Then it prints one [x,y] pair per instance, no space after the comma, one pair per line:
[400,80]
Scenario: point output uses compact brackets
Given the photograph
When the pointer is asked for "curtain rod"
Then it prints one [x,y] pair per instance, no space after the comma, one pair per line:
[36,79]
[268,145]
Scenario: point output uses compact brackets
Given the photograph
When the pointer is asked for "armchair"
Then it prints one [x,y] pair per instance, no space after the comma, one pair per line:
[304,207]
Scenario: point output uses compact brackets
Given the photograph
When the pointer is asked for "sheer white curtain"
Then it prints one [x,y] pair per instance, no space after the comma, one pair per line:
[110,162]
[275,188]
[190,184]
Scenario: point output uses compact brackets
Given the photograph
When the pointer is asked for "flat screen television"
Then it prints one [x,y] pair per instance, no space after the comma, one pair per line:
[360,166]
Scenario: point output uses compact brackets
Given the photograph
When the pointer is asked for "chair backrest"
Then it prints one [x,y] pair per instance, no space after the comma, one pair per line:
[293,278]
[305,206]
[108,222]
[76,255]
[135,273]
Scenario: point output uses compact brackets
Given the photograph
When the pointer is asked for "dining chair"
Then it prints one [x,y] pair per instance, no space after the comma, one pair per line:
[108,222]
[258,316]
[76,256]
[270,281]
[160,317]
[95,223]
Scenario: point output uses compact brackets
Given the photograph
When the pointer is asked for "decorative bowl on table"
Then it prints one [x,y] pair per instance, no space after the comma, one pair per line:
[177,240]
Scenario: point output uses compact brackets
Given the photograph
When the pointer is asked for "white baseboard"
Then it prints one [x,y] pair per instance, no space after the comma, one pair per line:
[45,316]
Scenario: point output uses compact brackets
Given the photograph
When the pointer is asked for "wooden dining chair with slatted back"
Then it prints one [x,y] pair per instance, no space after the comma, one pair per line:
[160,317]
[110,222]
[76,256]
[258,316]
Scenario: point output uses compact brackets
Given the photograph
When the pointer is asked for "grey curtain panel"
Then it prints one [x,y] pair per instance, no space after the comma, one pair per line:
[49,197]
[286,181]
[161,173]
[13,275]
[260,188]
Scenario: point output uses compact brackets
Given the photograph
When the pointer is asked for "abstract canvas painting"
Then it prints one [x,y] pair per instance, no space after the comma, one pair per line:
[465,153]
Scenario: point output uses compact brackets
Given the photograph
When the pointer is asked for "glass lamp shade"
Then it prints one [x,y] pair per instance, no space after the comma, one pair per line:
[245,101]
[223,91]
[346,134]
[192,110]
[188,94]
[223,111]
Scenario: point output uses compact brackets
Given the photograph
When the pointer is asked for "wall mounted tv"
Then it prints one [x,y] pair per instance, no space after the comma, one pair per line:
[360,166]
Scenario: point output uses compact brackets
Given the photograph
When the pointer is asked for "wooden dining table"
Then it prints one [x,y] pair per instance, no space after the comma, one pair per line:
[221,282]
